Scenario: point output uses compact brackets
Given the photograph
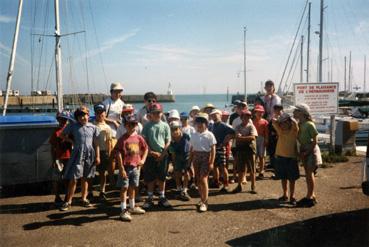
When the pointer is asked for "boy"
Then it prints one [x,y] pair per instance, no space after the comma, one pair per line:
[131,153]
[60,153]
[246,148]
[157,136]
[261,126]
[186,127]
[180,149]
[223,134]
[105,143]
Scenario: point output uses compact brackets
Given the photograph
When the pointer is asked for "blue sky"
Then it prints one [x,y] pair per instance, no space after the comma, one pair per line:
[195,45]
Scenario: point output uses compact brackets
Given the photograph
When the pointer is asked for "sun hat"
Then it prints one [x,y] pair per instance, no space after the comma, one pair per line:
[128,108]
[99,107]
[175,124]
[202,115]
[116,86]
[195,108]
[302,107]
[155,107]
[174,114]
[216,111]
[246,112]
[259,108]
[131,118]
[209,105]
[284,117]
[225,113]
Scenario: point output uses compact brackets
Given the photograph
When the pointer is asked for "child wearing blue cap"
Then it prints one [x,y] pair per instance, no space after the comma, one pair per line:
[186,127]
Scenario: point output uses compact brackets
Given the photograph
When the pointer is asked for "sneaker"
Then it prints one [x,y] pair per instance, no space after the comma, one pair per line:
[293,201]
[203,207]
[163,202]
[238,189]
[224,189]
[58,201]
[261,176]
[90,196]
[253,191]
[125,215]
[283,199]
[148,204]
[65,207]
[193,186]
[137,210]
[86,203]
[306,203]
[184,196]
[102,197]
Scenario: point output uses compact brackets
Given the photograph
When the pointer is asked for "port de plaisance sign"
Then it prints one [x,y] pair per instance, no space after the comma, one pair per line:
[321,97]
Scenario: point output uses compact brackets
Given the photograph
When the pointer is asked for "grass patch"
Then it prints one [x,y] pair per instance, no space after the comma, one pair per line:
[333,157]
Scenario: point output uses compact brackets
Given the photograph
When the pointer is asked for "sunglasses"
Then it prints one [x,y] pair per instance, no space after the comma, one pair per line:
[151,101]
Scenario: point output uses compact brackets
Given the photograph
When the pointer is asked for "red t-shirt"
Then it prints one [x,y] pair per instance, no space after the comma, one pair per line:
[131,147]
[261,127]
[60,148]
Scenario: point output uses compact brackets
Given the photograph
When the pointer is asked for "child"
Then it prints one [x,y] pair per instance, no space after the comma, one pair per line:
[186,127]
[193,113]
[180,150]
[309,151]
[223,134]
[261,126]
[105,144]
[85,155]
[273,137]
[60,153]
[157,135]
[286,161]
[246,149]
[131,153]
[128,109]
[202,155]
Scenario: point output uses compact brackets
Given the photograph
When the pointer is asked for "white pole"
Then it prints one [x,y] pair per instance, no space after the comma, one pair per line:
[302,58]
[12,58]
[308,46]
[364,73]
[321,42]
[59,88]
[244,61]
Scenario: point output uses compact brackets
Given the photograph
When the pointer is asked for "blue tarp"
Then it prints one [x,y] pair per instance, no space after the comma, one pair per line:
[24,119]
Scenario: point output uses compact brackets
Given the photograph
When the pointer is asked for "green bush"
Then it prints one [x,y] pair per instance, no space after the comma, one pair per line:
[333,157]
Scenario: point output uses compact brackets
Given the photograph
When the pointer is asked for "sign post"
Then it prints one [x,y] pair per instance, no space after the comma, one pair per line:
[322,98]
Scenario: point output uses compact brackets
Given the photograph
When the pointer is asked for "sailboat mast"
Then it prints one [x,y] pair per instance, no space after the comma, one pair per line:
[302,58]
[12,58]
[59,88]
[244,61]
[320,79]
[344,78]
[349,74]
[308,45]
[364,73]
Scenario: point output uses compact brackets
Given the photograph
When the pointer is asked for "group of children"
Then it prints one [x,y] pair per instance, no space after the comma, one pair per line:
[197,145]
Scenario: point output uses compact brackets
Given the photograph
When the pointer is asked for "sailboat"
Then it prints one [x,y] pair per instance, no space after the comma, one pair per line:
[25,155]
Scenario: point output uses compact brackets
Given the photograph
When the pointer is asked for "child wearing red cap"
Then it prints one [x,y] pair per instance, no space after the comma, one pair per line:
[261,126]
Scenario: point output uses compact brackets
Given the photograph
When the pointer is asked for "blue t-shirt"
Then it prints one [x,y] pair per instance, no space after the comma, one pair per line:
[181,149]
[220,131]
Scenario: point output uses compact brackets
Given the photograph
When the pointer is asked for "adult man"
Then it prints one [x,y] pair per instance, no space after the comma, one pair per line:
[270,99]
[142,115]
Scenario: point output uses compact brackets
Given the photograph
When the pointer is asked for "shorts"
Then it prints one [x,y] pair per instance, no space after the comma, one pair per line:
[155,170]
[246,160]
[220,157]
[104,162]
[201,163]
[58,172]
[287,168]
[260,146]
[314,159]
[181,165]
[133,177]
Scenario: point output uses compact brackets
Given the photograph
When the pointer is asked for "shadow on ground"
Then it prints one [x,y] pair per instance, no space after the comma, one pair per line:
[341,229]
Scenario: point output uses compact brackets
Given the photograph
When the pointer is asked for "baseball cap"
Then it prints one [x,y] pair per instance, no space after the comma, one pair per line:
[99,107]
[302,107]
[63,114]
[216,111]
[259,108]
[184,115]
[225,113]
[285,116]
[246,112]
[131,118]
[116,86]
[242,103]
[155,107]
[175,124]
[236,102]
[128,108]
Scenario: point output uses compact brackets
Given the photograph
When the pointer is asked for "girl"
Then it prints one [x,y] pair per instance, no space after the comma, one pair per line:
[85,155]
[309,151]
[286,162]
[261,126]
[202,155]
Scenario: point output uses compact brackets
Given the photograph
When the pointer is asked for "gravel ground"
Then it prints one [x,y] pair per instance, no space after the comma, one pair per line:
[341,218]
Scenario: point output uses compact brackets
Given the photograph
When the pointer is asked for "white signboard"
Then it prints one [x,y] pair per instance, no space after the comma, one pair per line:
[322,98]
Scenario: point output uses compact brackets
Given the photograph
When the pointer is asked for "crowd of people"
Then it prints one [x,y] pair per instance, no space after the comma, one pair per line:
[196,146]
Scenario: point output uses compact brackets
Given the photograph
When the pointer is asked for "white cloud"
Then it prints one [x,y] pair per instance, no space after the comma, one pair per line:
[6,19]
[5,51]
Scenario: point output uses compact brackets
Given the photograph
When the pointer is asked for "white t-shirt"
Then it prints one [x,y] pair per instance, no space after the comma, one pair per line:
[202,142]
[189,130]
[269,102]
[122,130]
[113,112]
[236,122]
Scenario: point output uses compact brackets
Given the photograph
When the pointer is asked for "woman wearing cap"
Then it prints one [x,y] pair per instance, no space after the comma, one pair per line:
[270,99]
[85,155]
[309,151]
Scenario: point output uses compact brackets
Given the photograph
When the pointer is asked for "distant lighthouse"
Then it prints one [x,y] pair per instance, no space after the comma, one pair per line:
[170,91]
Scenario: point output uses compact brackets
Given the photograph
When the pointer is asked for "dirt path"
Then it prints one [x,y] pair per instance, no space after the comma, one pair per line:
[341,218]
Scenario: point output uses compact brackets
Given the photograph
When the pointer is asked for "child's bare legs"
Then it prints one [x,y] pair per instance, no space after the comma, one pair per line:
[111,170]
[178,176]
[203,188]
[186,179]
[292,188]
[84,188]
[216,175]
[225,175]
[102,181]
[253,179]
[241,174]
[71,189]
[261,165]
[284,187]
[310,182]
[161,185]
[123,198]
